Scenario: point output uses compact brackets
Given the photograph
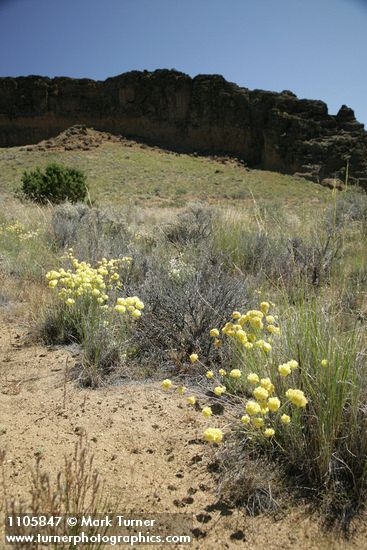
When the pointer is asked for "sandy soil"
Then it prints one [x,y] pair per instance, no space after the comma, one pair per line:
[147,447]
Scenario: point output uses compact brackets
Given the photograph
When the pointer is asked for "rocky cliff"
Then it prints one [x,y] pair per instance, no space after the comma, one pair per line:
[206,114]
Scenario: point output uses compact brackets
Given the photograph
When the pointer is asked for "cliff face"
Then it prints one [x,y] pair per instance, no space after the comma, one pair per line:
[205,114]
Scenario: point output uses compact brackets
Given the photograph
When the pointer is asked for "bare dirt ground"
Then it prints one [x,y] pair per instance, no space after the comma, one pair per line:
[147,447]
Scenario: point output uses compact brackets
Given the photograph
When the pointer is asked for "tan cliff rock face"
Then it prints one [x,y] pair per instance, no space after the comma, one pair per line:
[205,114]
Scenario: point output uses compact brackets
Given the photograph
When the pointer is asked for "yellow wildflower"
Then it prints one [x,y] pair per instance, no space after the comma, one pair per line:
[166,384]
[297,397]
[52,275]
[273,329]
[213,435]
[253,378]
[214,332]
[242,320]
[267,384]
[252,408]
[256,323]
[194,357]
[191,400]
[269,432]
[241,336]
[222,372]
[293,364]
[260,393]
[273,404]
[245,419]
[218,390]
[207,412]
[227,328]
[284,370]
[236,315]
[209,374]
[255,313]
[266,347]
[285,419]
[235,373]
[258,422]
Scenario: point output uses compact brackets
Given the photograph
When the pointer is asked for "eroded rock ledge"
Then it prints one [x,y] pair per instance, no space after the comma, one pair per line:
[205,114]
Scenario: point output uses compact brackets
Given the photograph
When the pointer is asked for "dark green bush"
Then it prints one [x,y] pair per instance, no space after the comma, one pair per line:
[56,184]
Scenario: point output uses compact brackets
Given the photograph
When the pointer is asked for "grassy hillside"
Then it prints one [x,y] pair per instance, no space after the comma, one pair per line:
[118,172]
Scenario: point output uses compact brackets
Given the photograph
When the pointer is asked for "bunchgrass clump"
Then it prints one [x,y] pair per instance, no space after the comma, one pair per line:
[301,384]
[327,444]
[278,257]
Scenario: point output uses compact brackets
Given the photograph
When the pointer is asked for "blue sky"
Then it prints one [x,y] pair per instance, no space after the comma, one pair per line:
[316,48]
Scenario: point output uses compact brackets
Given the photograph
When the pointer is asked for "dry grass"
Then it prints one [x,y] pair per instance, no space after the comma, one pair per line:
[75,490]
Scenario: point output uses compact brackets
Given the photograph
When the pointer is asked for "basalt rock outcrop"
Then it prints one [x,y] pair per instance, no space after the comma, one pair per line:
[205,114]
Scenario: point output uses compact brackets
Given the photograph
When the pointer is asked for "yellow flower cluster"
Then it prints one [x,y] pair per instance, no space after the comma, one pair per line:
[246,328]
[131,305]
[166,384]
[264,407]
[297,397]
[213,435]
[287,368]
[83,281]
[207,412]
[258,410]
[235,373]
[18,229]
